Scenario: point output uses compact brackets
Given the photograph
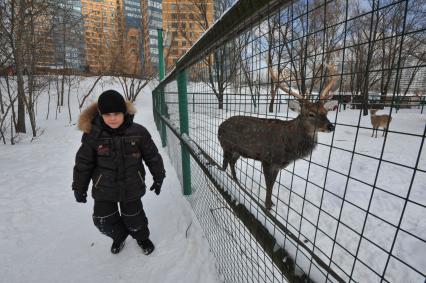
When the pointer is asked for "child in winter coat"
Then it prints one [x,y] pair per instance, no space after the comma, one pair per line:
[111,155]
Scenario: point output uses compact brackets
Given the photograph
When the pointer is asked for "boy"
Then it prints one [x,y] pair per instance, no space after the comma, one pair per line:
[111,155]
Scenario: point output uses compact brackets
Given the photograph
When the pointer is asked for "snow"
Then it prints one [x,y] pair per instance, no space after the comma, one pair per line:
[45,236]
[353,186]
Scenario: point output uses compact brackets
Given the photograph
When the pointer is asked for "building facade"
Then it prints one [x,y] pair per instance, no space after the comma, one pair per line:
[183,23]
[114,36]
[68,36]
[133,38]
[152,13]
[59,30]
[103,34]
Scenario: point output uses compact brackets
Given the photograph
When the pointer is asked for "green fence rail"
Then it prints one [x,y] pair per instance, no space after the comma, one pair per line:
[351,209]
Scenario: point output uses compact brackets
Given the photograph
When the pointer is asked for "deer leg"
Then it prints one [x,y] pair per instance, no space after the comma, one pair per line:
[270,173]
[384,130]
[226,157]
[233,159]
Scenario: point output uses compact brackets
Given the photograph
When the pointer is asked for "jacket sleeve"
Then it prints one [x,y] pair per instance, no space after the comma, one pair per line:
[85,161]
[152,158]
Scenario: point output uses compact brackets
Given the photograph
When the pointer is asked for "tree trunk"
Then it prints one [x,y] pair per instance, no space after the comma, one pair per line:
[48,102]
[1,103]
[18,56]
[68,99]
[20,125]
[62,90]
[220,101]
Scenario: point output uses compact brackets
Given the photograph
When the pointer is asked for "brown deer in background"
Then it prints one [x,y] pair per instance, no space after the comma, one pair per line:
[276,143]
[379,121]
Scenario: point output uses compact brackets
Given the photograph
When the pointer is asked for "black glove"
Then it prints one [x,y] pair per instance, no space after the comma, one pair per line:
[156,187]
[80,196]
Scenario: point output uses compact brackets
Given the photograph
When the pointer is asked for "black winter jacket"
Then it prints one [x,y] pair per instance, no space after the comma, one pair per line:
[112,158]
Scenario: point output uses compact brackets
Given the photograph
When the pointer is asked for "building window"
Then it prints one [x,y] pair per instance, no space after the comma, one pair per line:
[183,43]
[154,4]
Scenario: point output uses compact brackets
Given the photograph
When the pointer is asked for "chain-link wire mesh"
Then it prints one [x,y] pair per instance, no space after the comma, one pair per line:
[350,209]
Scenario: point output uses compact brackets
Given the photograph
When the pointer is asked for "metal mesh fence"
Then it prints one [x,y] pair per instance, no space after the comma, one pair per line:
[352,208]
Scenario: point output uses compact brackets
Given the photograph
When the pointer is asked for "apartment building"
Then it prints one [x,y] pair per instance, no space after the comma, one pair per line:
[68,37]
[152,14]
[59,36]
[114,36]
[133,37]
[183,23]
[103,27]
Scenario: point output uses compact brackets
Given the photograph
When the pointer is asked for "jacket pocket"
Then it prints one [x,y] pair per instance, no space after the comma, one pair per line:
[97,181]
[132,149]
[104,149]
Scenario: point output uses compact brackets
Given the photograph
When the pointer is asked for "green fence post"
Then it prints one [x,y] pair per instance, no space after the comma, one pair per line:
[184,129]
[160,53]
[154,109]
[161,101]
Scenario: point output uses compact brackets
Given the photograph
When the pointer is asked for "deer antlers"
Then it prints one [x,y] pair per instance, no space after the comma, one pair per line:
[280,84]
[283,85]
[324,95]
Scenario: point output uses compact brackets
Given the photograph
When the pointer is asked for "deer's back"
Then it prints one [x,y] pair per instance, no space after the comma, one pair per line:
[380,120]
[262,139]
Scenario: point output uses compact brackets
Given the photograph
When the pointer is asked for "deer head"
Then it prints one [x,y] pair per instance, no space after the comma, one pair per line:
[313,114]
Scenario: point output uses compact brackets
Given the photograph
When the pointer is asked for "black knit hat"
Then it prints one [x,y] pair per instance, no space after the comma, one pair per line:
[111,101]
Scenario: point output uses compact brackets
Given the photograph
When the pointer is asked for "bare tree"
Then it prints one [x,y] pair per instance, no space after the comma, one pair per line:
[23,26]
[222,63]
[14,12]
[303,41]
[409,54]
[139,72]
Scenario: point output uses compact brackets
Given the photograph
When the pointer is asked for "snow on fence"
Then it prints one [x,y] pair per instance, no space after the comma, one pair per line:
[353,209]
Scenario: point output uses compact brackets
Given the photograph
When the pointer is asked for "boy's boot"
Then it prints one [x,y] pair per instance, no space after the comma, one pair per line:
[146,245]
[117,246]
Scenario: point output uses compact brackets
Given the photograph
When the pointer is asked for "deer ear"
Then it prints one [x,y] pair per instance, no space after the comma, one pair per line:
[330,105]
[294,105]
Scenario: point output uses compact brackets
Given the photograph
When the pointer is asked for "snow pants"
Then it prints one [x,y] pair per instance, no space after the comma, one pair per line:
[118,220]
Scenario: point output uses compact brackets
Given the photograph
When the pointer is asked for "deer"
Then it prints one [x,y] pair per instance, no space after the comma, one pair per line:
[274,142]
[379,121]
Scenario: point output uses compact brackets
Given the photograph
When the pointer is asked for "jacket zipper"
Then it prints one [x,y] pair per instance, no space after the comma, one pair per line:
[97,181]
[140,176]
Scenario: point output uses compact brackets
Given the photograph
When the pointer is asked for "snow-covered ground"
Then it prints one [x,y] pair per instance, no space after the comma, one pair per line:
[45,236]
[367,181]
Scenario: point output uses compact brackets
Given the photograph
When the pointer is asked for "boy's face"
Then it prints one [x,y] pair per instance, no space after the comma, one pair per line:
[113,120]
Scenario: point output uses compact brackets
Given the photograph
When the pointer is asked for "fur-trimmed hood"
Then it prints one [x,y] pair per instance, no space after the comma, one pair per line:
[84,123]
